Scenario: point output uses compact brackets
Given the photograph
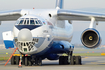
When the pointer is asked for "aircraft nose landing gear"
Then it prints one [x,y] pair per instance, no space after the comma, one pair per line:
[33,61]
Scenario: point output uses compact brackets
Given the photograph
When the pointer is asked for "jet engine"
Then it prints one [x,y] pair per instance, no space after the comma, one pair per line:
[91,38]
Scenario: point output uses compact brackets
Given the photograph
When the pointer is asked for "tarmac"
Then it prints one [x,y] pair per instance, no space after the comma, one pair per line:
[88,63]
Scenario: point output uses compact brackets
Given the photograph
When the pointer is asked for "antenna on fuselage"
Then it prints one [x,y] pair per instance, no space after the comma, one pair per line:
[59,4]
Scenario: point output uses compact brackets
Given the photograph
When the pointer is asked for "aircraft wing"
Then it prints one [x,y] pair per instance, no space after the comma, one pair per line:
[10,15]
[78,15]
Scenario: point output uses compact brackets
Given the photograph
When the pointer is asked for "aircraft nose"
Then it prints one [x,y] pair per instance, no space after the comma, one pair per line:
[25,35]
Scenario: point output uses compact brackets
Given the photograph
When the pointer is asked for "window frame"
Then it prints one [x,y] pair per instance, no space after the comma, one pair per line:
[28,21]
[33,20]
[20,21]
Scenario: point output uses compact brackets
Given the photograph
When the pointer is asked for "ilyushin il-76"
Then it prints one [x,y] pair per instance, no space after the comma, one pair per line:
[47,33]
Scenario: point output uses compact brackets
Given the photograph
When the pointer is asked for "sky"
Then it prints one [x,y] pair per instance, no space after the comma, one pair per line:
[81,5]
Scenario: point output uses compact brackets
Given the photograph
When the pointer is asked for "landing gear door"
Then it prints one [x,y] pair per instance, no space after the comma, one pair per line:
[8,39]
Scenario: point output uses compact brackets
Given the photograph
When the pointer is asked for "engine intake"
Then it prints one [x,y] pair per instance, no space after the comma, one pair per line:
[91,38]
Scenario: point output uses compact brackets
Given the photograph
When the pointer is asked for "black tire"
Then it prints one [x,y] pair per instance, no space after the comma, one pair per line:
[40,62]
[29,61]
[65,61]
[26,61]
[13,60]
[78,60]
[17,58]
[36,61]
[61,60]
[72,61]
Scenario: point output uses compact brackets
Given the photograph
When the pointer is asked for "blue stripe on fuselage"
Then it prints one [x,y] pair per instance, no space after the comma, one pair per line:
[30,27]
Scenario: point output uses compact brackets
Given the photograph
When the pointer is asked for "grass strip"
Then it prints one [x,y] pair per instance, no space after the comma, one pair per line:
[85,54]
[4,58]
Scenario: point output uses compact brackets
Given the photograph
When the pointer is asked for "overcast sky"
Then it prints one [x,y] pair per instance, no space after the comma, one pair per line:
[68,4]
[84,5]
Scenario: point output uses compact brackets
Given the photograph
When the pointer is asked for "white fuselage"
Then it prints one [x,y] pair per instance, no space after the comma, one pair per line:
[51,30]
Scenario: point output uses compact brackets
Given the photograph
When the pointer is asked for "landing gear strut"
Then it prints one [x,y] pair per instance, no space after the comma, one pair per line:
[72,60]
[63,60]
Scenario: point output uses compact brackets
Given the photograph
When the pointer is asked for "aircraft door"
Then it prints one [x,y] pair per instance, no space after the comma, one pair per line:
[8,39]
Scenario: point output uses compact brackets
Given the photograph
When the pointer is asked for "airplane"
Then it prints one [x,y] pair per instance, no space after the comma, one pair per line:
[47,33]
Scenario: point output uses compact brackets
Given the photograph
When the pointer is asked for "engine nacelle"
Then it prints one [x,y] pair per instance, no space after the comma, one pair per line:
[91,38]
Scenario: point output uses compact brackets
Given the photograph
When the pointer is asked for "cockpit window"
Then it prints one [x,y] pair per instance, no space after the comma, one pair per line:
[29,21]
[21,21]
[32,22]
[36,22]
[40,22]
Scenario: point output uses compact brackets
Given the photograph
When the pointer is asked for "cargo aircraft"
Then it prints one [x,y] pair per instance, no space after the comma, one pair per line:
[47,33]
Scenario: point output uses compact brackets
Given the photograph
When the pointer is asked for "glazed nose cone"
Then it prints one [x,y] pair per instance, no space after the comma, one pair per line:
[25,35]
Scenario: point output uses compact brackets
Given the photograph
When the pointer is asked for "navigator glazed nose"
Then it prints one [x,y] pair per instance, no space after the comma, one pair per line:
[25,35]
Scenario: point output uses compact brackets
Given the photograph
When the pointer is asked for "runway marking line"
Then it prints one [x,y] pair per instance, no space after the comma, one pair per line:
[94,62]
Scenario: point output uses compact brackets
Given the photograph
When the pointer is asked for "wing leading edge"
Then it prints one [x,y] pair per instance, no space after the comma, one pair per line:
[77,15]
[12,15]
[61,15]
